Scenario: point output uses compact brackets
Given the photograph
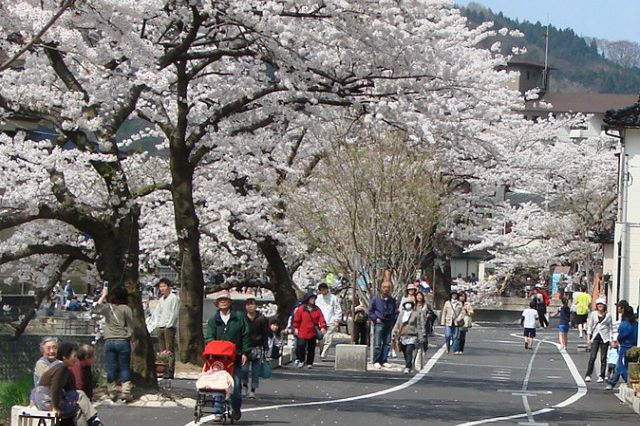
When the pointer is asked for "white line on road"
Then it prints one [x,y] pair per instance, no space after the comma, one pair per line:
[582,391]
[415,379]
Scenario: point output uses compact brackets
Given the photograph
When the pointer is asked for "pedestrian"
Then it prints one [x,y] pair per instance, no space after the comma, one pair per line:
[450,312]
[259,332]
[409,293]
[540,306]
[564,313]
[612,360]
[49,351]
[275,339]
[583,303]
[118,330]
[309,326]
[382,312]
[409,331]
[627,337]
[81,370]
[332,312]
[599,334]
[528,321]
[166,315]
[360,323]
[56,392]
[231,326]
[464,321]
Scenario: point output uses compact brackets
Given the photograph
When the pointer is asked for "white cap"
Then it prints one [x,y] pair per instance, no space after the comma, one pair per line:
[538,285]
[601,301]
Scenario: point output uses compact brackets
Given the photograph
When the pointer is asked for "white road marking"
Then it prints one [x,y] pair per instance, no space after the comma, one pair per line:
[582,391]
[415,379]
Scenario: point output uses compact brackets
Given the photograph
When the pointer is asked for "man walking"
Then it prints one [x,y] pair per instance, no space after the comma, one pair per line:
[167,317]
[382,313]
[232,327]
[332,312]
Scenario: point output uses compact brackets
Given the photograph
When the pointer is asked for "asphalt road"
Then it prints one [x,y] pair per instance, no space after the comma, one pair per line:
[496,381]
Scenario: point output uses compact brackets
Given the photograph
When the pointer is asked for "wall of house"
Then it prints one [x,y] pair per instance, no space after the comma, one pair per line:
[627,233]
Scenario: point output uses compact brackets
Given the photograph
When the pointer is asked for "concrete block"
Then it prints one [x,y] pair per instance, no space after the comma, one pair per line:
[351,357]
[31,416]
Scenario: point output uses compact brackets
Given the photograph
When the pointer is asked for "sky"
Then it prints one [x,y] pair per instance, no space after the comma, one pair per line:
[609,19]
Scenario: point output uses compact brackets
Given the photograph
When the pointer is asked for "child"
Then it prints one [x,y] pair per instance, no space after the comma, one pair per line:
[275,339]
[216,378]
[529,320]
[612,360]
[563,327]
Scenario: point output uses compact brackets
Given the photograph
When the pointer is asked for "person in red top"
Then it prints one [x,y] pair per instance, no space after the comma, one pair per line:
[81,370]
[305,320]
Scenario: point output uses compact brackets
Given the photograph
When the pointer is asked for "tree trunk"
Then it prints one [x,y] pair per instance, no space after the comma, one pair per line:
[117,261]
[190,336]
[443,283]
[281,282]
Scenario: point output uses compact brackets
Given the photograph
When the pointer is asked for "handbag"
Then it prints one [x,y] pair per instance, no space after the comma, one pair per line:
[319,335]
[265,368]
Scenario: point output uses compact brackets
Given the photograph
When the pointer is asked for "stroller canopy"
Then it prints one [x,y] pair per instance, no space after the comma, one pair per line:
[220,349]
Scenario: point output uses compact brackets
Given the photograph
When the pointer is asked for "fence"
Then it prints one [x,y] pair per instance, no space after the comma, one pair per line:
[17,357]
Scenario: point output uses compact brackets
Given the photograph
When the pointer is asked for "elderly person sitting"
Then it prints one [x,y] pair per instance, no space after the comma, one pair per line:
[56,391]
[49,350]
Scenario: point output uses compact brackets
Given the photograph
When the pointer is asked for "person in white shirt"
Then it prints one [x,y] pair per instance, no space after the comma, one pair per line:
[332,312]
[599,334]
[529,320]
[167,319]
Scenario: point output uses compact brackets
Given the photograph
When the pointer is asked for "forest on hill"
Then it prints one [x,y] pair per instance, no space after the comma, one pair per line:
[577,64]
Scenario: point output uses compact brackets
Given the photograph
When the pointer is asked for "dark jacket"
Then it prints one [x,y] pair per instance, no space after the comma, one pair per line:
[82,378]
[384,310]
[236,330]
[58,379]
[259,331]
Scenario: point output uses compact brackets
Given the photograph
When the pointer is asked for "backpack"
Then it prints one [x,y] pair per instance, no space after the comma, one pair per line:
[545,297]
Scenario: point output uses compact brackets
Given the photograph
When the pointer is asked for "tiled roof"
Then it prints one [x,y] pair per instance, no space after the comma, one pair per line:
[624,117]
[581,102]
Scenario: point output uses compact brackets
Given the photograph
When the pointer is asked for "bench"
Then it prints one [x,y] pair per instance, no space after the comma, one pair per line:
[31,416]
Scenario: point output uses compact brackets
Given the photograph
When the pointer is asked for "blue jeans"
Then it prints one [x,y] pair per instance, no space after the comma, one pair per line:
[118,358]
[236,396]
[255,373]
[452,337]
[381,341]
[621,366]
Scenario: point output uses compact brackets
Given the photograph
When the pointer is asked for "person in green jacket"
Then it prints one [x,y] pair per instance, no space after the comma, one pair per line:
[231,326]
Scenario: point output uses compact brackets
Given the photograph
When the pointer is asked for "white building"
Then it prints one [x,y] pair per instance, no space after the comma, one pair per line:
[626,249]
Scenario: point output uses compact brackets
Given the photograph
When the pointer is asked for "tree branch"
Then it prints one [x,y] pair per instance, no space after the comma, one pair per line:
[66,5]
[63,72]
[41,294]
[35,249]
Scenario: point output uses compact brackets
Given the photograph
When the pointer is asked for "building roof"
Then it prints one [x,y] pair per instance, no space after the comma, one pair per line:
[624,117]
[581,102]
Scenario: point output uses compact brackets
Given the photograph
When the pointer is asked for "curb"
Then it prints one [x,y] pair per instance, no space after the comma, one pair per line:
[627,396]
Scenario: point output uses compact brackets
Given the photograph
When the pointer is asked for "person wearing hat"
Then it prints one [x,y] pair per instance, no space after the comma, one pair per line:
[627,337]
[409,331]
[410,293]
[230,326]
[599,334]
[166,314]
[307,321]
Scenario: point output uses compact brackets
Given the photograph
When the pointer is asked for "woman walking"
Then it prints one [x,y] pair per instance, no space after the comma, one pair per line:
[308,326]
[464,321]
[409,331]
[599,333]
[627,337]
[450,312]
[118,330]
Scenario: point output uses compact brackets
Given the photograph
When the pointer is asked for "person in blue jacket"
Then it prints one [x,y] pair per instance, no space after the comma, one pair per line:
[382,312]
[627,337]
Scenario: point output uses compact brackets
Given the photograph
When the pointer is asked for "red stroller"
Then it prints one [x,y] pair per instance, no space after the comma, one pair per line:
[216,378]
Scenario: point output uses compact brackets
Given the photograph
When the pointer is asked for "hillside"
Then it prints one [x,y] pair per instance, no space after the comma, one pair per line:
[577,65]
